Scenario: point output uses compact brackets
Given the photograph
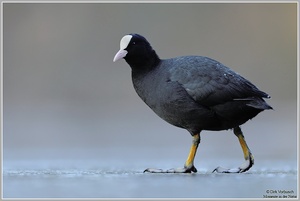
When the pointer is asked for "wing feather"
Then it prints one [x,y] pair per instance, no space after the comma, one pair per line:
[210,83]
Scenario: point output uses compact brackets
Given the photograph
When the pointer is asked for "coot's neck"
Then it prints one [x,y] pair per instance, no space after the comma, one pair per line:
[143,63]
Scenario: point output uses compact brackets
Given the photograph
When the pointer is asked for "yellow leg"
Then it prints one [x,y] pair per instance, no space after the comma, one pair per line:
[189,164]
[247,153]
[244,147]
[249,159]
[190,160]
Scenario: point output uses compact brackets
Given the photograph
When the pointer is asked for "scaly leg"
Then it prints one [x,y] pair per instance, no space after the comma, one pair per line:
[189,164]
[249,159]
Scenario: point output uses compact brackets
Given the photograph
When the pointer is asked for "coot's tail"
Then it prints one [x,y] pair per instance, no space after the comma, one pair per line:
[257,102]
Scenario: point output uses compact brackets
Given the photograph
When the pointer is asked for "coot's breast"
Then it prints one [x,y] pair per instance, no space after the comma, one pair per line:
[170,101]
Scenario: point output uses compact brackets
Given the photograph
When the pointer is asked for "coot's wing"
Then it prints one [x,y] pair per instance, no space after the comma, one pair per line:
[210,83]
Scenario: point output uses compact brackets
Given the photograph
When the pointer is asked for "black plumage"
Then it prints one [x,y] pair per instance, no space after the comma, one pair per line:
[192,92]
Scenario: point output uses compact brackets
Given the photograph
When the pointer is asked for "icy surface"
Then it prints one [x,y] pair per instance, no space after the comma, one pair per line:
[104,182]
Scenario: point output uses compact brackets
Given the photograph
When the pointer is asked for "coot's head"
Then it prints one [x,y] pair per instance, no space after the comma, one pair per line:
[137,52]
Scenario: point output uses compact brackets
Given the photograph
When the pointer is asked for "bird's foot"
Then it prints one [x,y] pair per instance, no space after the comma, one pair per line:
[227,170]
[174,170]
[243,168]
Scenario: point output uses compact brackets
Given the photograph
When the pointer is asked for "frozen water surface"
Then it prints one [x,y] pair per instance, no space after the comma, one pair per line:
[127,183]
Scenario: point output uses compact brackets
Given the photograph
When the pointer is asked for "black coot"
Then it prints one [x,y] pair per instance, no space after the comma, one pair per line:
[193,92]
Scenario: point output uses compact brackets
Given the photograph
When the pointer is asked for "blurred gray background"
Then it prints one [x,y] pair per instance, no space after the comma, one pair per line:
[66,104]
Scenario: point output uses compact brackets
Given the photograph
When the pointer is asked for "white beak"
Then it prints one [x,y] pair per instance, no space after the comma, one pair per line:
[120,54]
